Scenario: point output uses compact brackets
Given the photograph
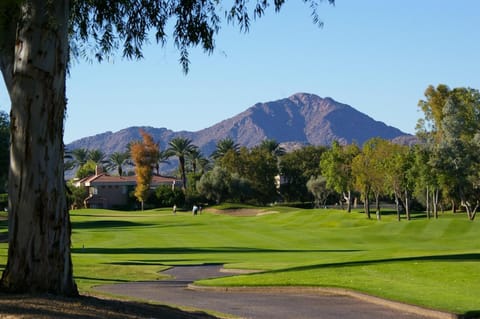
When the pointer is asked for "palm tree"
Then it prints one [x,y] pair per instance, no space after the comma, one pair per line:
[224,146]
[97,156]
[203,165]
[80,156]
[161,159]
[272,147]
[197,160]
[180,147]
[116,161]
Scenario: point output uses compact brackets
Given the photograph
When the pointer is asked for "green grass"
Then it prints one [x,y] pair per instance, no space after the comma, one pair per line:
[432,263]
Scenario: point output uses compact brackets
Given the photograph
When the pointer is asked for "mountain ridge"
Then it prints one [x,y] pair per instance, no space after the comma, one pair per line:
[302,118]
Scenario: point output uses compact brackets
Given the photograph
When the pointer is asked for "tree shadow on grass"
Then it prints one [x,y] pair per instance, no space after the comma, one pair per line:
[472,314]
[49,306]
[106,224]
[187,250]
[454,257]
[152,262]
[101,279]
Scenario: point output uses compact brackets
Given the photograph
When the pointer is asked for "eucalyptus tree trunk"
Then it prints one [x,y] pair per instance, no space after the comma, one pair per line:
[397,206]
[377,206]
[366,205]
[407,205]
[39,227]
[435,198]
[427,202]
[348,198]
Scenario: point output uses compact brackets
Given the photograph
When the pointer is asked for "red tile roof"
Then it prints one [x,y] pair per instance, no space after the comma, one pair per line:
[105,179]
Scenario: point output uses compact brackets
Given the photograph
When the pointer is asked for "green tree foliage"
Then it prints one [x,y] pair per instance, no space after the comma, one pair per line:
[196,160]
[97,156]
[318,187]
[459,157]
[260,168]
[223,147]
[87,169]
[167,197]
[4,150]
[255,170]
[273,147]
[116,161]
[162,159]
[453,142]
[240,189]
[144,154]
[369,170]
[214,185]
[361,168]
[398,167]
[80,156]
[336,167]
[296,168]
[76,196]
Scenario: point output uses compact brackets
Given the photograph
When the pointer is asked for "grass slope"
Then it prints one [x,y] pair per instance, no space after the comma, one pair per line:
[432,263]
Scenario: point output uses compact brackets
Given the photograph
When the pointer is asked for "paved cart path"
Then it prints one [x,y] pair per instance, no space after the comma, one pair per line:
[254,304]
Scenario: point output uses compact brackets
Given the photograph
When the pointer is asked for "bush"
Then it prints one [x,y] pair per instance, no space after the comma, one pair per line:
[76,196]
[165,196]
[3,201]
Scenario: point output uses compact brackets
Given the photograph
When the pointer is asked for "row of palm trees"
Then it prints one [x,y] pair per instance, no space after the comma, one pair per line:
[189,156]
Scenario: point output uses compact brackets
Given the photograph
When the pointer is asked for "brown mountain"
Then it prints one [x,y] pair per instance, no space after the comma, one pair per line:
[300,119]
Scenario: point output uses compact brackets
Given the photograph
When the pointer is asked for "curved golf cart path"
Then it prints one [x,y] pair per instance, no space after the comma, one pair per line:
[265,303]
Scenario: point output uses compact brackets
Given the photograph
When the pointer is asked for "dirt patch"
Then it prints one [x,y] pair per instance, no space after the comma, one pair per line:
[49,307]
[240,212]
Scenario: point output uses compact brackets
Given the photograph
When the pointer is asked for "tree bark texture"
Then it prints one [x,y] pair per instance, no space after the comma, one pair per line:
[348,198]
[39,227]
[435,197]
[427,202]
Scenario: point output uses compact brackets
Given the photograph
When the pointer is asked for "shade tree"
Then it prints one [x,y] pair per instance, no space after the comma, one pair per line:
[296,168]
[336,167]
[453,141]
[214,185]
[318,187]
[36,40]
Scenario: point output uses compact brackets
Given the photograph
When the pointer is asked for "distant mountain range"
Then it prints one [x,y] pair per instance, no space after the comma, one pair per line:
[301,119]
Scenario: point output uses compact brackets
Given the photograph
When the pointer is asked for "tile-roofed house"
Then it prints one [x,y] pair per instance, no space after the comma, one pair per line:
[107,191]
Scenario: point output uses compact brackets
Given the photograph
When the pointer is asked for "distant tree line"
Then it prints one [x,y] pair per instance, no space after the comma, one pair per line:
[440,172]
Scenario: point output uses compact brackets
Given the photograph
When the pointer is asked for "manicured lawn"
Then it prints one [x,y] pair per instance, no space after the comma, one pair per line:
[433,263]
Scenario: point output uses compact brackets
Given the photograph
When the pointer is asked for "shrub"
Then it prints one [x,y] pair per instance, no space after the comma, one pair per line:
[3,201]
[165,196]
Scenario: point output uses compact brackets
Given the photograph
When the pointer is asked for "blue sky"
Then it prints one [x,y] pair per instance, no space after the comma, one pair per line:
[375,55]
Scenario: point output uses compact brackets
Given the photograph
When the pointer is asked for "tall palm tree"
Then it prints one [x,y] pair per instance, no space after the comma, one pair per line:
[180,147]
[196,159]
[161,159]
[203,165]
[116,161]
[224,146]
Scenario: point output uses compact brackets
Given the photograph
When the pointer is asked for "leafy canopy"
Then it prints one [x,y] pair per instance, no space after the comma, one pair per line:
[100,27]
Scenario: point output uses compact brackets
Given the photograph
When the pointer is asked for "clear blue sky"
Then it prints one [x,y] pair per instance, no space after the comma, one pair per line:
[375,55]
